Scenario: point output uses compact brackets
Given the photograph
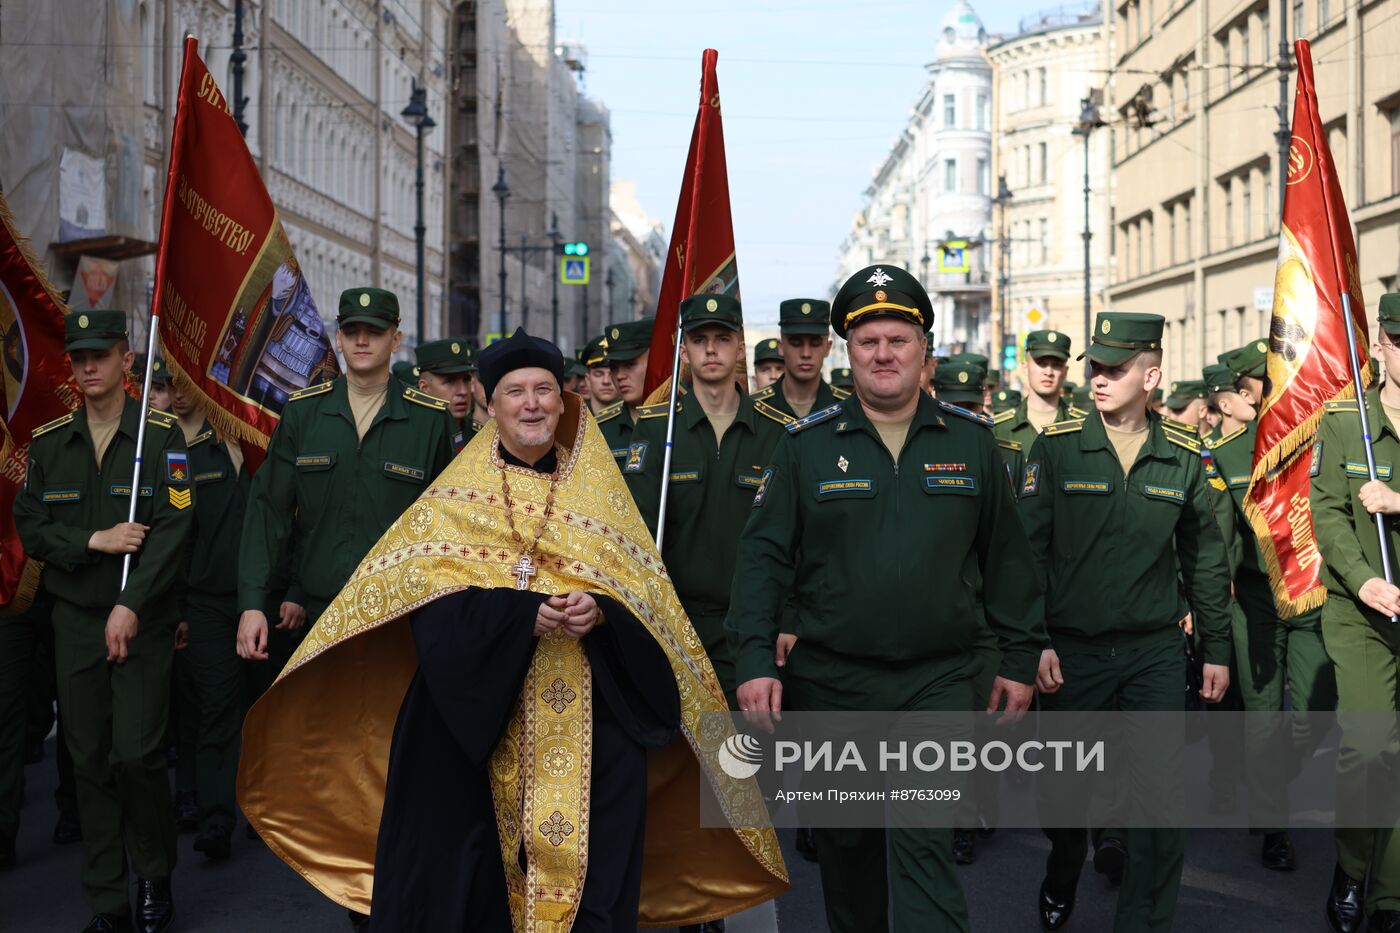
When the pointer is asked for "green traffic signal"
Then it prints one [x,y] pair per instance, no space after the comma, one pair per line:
[575,249]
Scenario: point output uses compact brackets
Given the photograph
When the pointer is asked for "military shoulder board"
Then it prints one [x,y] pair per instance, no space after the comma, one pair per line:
[422,398]
[1008,444]
[840,393]
[1340,404]
[765,392]
[1076,412]
[200,438]
[609,413]
[964,413]
[768,411]
[160,419]
[1181,440]
[1222,441]
[816,417]
[320,388]
[1002,417]
[1064,427]
[55,423]
[656,411]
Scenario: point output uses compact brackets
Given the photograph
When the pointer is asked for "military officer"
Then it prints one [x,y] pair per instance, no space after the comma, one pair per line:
[1117,482]
[1269,650]
[218,677]
[1047,361]
[444,370]
[160,385]
[722,442]
[861,498]
[1005,400]
[348,457]
[1362,642]
[805,341]
[114,646]
[628,349]
[767,363]
[1186,406]
[1216,377]
[1081,402]
[841,379]
[601,391]
[963,385]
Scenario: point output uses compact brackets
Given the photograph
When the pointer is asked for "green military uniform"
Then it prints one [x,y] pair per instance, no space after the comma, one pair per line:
[626,340]
[1015,424]
[211,608]
[1117,653]
[841,379]
[858,537]
[336,491]
[1363,645]
[446,357]
[405,372]
[710,493]
[22,677]
[114,715]
[1005,400]
[962,384]
[800,316]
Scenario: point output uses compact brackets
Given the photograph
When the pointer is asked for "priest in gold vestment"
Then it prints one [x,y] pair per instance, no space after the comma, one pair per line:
[496,726]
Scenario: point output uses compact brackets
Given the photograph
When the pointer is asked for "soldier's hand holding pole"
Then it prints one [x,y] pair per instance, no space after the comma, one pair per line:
[1381,595]
[1378,498]
[252,635]
[121,538]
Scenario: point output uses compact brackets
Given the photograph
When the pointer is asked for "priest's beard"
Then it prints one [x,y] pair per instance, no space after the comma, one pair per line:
[529,438]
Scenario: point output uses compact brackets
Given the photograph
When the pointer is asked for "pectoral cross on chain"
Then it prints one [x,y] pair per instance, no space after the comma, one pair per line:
[524,569]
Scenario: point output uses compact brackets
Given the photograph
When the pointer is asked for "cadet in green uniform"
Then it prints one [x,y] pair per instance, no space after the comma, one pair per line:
[1047,361]
[1363,643]
[862,498]
[445,372]
[218,677]
[841,379]
[805,343]
[628,348]
[113,646]
[348,457]
[405,372]
[963,385]
[721,445]
[767,363]
[1270,651]
[1118,483]
[1186,406]
[1217,378]
[601,391]
[1005,400]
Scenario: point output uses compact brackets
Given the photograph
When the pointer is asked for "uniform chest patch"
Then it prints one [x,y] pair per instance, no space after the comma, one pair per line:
[402,471]
[1316,466]
[950,483]
[636,457]
[209,477]
[1030,484]
[764,482]
[1357,468]
[945,467]
[64,495]
[120,490]
[177,466]
[1093,487]
[833,486]
[1164,492]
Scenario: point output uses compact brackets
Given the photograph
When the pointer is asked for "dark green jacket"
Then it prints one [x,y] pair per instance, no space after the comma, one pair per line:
[772,397]
[219,510]
[1346,532]
[1231,460]
[1014,425]
[336,492]
[66,497]
[617,428]
[862,539]
[1110,548]
[711,492]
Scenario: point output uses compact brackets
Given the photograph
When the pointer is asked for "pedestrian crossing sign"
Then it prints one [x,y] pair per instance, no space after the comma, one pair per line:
[573,270]
[952,256]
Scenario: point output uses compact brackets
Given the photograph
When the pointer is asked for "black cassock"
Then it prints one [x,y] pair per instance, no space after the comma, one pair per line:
[438,864]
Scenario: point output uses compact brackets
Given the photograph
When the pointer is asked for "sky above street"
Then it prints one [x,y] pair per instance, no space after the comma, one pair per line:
[814,92]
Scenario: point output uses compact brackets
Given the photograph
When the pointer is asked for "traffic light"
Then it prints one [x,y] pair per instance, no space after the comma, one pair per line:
[575,249]
[1008,358]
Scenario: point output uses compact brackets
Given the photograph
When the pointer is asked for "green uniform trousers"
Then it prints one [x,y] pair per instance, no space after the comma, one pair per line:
[114,718]
[1272,654]
[864,870]
[1141,673]
[221,682]
[19,653]
[183,731]
[1367,662]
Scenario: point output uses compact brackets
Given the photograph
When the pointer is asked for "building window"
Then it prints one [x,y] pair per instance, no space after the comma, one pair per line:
[983,177]
[1190,245]
[1247,203]
[1394,118]
[1225,61]
[981,111]
[950,174]
[1026,164]
[150,59]
[1044,87]
[950,110]
[1298,19]
[1044,163]
[1229,212]
[1264,35]
[1244,44]
[1171,235]
[1323,14]
[1044,241]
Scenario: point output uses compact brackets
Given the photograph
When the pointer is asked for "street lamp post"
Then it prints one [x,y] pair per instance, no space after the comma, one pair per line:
[1089,120]
[502,191]
[1002,200]
[416,113]
[554,238]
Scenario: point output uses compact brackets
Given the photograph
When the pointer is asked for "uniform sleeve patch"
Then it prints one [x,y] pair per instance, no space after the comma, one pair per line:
[1316,466]
[179,498]
[177,466]
[636,458]
[1030,485]
[763,485]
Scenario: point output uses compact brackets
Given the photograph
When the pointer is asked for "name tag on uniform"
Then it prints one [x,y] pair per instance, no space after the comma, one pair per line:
[64,495]
[686,476]
[1357,468]
[1090,486]
[210,476]
[315,461]
[1235,482]
[126,491]
[962,484]
[848,487]
[403,472]
[748,482]
[1166,493]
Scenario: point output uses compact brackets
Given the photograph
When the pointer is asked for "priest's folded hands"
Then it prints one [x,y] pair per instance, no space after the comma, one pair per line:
[576,613]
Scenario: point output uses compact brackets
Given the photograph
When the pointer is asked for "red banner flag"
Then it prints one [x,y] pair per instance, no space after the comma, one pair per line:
[237,318]
[1307,359]
[701,258]
[38,387]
